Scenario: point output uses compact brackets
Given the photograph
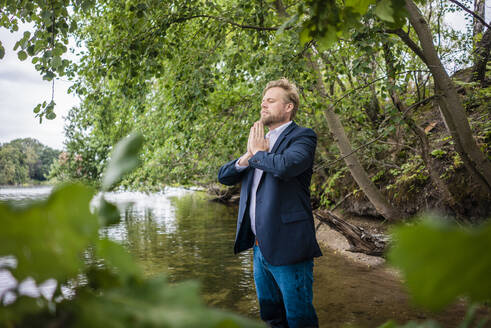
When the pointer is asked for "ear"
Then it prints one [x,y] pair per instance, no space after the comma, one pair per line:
[289,107]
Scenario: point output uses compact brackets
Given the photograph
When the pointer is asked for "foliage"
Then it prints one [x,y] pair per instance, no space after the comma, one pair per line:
[25,160]
[441,262]
[57,241]
[438,153]
[123,160]
[53,23]
[330,189]
[329,21]
[189,75]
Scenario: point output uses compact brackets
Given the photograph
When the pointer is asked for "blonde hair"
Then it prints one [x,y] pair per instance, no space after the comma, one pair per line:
[291,93]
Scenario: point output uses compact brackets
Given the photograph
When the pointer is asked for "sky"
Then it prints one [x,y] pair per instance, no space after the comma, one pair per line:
[22,88]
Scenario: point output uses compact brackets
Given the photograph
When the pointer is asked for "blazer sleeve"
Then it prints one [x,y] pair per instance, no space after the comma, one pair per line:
[229,175]
[296,158]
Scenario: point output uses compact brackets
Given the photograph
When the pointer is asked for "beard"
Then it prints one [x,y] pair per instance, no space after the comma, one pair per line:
[271,119]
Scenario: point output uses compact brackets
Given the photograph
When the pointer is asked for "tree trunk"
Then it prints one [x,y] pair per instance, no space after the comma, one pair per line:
[372,108]
[451,107]
[480,10]
[357,171]
[481,57]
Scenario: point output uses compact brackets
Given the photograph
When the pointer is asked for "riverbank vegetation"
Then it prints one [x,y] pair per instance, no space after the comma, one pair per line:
[25,161]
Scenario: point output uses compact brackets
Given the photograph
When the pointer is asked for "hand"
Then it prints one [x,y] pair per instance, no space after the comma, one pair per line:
[244,159]
[256,141]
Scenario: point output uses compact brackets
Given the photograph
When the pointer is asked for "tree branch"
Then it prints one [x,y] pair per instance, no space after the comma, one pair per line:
[419,103]
[409,42]
[370,83]
[476,16]
[228,21]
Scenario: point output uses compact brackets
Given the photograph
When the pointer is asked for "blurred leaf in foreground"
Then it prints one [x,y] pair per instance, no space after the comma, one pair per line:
[108,212]
[152,303]
[441,262]
[411,324]
[48,238]
[123,159]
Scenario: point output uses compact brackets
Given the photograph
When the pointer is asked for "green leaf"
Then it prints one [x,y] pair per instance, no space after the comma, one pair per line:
[329,38]
[153,303]
[50,116]
[305,36]
[2,51]
[48,76]
[15,312]
[442,262]
[56,62]
[385,11]
[22,55]
[31,51]
[359,6]
[48,238]
[108,212]
[124,159]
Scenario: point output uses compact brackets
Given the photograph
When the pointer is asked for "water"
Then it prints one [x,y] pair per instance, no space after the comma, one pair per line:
[182,234]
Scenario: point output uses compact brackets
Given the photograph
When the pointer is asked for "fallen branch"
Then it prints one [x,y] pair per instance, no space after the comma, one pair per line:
[224,195]
[360,240]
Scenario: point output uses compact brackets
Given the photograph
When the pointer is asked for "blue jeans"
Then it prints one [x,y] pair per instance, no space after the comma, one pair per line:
[284,292]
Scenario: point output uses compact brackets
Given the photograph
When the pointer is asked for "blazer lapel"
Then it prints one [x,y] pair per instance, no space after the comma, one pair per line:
[282,136]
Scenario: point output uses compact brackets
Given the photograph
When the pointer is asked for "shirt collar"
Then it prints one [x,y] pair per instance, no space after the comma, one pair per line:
[278,130]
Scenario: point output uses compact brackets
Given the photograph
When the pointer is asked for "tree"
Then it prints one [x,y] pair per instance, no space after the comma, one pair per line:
[12,167]
[25,160]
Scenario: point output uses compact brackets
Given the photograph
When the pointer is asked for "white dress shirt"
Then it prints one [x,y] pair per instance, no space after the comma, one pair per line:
[273,136]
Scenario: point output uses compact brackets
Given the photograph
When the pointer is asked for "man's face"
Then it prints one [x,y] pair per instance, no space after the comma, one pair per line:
[273,108]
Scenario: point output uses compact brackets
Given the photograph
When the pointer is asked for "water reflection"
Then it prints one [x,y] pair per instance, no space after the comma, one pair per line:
[184,235]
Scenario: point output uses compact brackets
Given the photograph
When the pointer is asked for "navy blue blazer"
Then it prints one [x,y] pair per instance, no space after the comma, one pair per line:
[284,223]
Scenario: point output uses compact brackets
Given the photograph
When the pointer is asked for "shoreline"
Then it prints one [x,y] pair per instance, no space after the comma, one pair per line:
[332,240]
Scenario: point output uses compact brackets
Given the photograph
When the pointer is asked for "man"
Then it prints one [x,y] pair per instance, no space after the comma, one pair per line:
[275,216]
